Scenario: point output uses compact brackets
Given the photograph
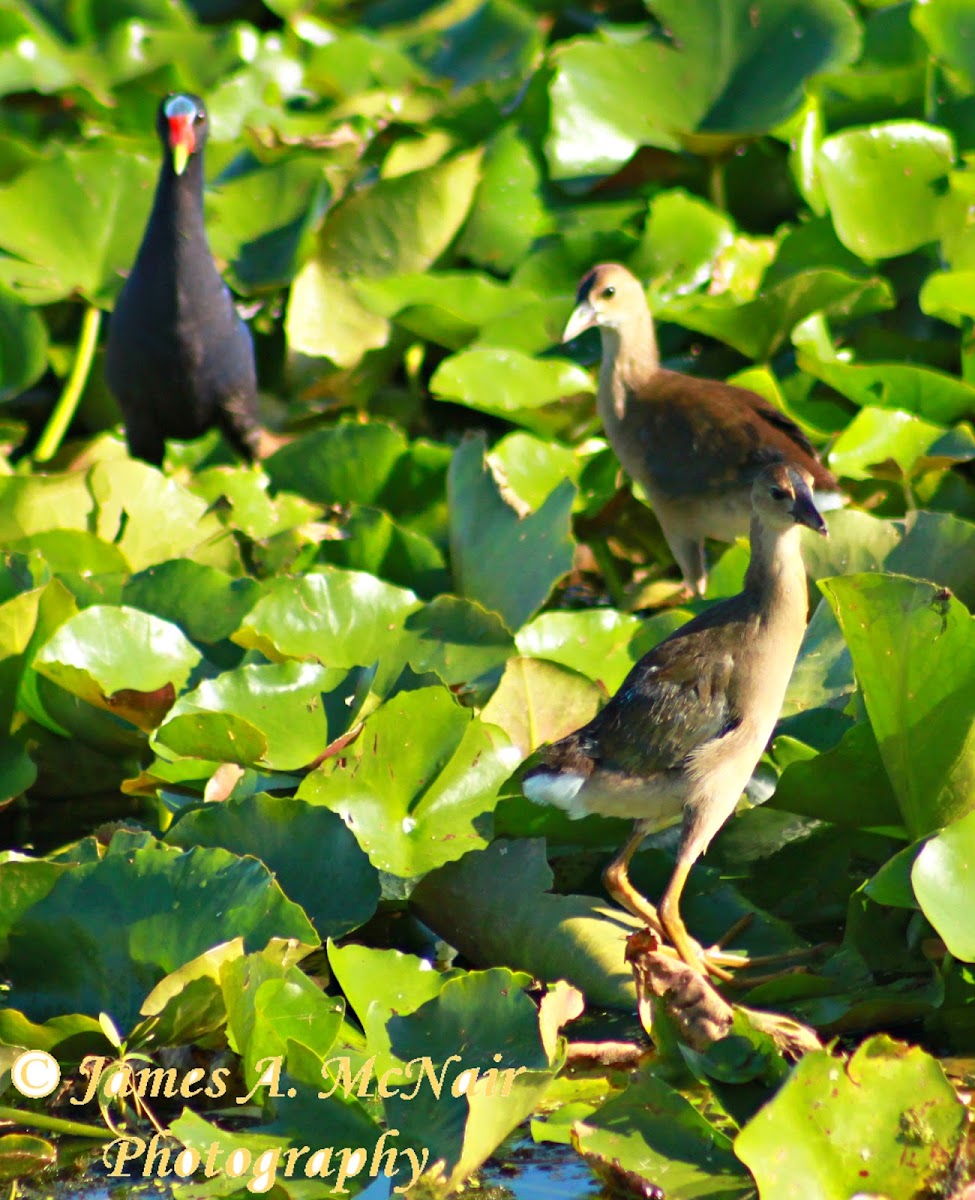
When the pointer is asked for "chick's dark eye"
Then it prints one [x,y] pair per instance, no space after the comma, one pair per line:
[609,292]
[778,493]
[198,118]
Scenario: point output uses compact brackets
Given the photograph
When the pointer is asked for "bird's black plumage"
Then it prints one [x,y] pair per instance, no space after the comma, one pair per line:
[178,358]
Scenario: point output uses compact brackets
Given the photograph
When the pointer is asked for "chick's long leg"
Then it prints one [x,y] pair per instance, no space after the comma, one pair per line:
[701,822]
[617,882]
[616,879]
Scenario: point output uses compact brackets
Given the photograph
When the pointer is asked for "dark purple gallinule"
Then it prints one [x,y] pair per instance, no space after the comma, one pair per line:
[682,736]
[178,358]
[694,445]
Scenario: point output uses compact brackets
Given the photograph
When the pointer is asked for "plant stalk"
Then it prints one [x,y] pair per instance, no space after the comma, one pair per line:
[52,1124]
[67,403]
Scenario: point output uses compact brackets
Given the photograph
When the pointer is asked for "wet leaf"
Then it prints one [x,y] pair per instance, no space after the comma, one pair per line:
[886,1122]
[921,700]
[416,786]
[507,560]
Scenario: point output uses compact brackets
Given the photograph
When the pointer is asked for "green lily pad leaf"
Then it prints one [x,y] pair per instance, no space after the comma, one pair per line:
[940,547]
[108,932]
[943,878]
[457,640]
[446,307]
[187,1005]
[508,213]
[339,618]
[761,326]
[74,551]
[153,519]
[207,604]
[260,211]
[381,983]
[391,228]
[891,885]
[921,700]
[373,542]
[927,393]
[534,467]
[72,224]
[241,493]
[681,243]
[506,559]
[66,1038]
[220,737]
[886,1123]
[18,629]
[418,786]
[487,1022]
[846,785]
[656,1133]
[33,504]
[302,1120]
[283,701]
[18,772]
[506,382]
[269,1005]
[600,643]
[701,78]
[311,852]
[495,907]
[884,185]
[538,702]
[947,295]
[949,29]
[346,463]
[496,43]
[22,1154]
[857,542]
[23,345]
[892,443]
[126,661]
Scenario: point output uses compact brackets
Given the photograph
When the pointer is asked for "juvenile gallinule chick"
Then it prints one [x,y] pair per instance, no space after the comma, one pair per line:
[683,734]
[695,445]
[178,358]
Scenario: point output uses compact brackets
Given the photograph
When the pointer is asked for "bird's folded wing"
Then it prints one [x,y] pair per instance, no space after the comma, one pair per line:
[674,700]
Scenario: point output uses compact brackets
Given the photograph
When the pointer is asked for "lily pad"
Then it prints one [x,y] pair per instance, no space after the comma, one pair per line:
[702,77]
[284,702]
[506,559]
[126,661]
[106,933]
[71,223]
[884,183]
[505,381]
[654,1132]
[495,907]
[921,700]
[314,857]
[418,786]
[395,226]
[887,1122]
[538,702]
[943,877]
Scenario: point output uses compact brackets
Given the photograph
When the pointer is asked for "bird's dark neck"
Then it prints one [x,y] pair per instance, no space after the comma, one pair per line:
[177,212]
[776,574]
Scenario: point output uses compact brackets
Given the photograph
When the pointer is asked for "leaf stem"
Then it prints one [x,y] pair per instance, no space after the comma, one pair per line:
[52,1124]
[717,191]
[67,403]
